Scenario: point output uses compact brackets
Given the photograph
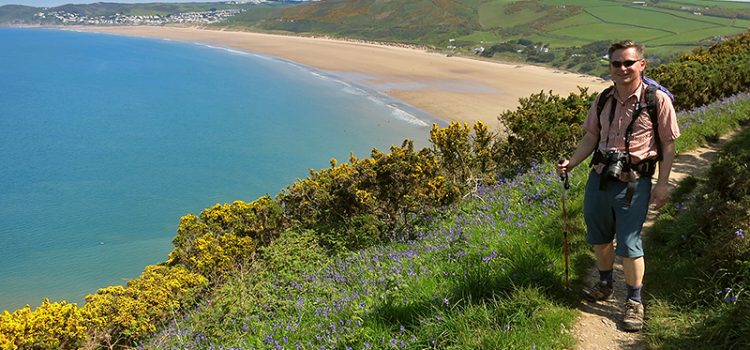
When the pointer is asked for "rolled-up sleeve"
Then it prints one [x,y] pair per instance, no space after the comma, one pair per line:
[669,129]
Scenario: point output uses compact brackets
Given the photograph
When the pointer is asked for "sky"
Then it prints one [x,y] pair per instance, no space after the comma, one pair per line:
[50,3]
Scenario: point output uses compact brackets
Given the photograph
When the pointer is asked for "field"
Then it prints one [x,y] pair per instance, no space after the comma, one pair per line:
[599,20]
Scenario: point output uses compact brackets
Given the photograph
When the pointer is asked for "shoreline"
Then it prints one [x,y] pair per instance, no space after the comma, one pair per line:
[430,86]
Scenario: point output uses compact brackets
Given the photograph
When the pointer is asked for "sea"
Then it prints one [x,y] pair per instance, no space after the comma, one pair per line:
[106,141]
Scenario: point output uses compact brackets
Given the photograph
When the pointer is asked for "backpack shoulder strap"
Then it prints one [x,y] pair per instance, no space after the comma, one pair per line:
[600,102]
[653,112]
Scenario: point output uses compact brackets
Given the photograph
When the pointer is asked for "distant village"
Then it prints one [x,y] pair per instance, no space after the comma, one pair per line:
[204,17]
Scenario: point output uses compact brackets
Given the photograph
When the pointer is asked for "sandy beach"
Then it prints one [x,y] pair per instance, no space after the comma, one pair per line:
[449,88]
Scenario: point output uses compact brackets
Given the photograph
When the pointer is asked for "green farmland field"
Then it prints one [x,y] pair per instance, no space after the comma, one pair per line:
[607,31]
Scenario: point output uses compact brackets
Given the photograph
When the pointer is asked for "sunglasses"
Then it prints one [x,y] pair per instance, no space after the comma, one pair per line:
[627,64]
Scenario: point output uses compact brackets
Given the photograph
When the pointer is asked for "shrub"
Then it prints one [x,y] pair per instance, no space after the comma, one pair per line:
[224,237]
[706,75]
[260,219]
[124,315]
[50,326]
[543,128]
[361,201]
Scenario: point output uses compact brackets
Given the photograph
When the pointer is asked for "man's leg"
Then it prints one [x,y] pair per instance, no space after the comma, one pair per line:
[634,268]
[605,259]
[600,233]
[630,247]
[605,256]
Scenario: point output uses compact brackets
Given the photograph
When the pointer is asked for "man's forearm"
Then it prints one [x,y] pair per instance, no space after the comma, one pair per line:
[665,166]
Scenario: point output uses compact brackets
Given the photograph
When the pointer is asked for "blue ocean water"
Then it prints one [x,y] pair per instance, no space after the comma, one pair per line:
[106,141]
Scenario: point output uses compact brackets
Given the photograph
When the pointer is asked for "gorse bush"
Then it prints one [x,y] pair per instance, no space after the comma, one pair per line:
[544,127]
[358,202]
[125,315]
[366,200]
[112,317]
[223,238]
[50,326]
[706,75]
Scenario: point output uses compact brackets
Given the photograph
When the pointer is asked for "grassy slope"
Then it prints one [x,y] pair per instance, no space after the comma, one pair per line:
[11,13]
[401,20]
[486,275]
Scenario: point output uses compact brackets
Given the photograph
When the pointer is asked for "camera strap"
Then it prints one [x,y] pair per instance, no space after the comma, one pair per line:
[633,180]
[632,183]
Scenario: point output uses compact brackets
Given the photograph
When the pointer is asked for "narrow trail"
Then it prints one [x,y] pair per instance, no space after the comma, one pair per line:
[599,327]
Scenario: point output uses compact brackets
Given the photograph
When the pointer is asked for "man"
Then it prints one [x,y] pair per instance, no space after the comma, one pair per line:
[616,202]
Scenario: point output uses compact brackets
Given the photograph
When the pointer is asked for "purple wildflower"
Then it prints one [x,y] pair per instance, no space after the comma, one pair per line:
[740,233]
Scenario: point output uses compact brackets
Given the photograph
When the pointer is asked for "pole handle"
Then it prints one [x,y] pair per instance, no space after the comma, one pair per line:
[564,176]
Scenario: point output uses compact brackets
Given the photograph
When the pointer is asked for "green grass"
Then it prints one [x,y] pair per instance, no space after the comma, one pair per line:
[607,31]
[581,19]
[703,3]
[492,15]
[699,266]
[690,38]
[486,38]
[708,123]
[647,18]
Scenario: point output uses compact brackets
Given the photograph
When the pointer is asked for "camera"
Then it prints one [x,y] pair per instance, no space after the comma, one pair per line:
[615,163]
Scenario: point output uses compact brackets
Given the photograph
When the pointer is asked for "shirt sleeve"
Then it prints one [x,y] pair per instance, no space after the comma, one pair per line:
[591,124]
[669,129]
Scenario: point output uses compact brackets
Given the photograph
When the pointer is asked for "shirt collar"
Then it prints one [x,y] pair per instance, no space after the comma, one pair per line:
[637,93]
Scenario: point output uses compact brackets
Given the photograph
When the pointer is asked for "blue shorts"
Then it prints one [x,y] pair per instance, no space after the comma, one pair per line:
[607,215]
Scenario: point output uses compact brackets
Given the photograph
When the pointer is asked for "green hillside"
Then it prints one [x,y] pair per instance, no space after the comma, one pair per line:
[564,34]
[11,14]
[568,34]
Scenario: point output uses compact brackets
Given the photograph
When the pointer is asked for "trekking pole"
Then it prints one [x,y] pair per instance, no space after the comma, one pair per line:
[566,186]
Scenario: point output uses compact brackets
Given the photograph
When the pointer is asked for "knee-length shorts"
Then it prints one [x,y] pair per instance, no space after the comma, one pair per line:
[608,217]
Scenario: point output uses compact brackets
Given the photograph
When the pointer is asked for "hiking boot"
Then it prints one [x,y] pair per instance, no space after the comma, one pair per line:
[597,292]
[633,320]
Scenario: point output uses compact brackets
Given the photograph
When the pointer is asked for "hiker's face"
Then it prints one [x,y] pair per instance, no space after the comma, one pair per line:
[626,66]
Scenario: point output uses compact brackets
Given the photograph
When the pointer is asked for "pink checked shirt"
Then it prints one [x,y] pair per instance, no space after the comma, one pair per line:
[642,141]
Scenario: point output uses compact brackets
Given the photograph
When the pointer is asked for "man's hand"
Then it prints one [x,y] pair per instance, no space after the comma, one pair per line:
[562,166]
[658,195]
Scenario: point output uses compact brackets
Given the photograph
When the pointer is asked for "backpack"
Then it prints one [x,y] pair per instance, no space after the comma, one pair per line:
[651,106]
